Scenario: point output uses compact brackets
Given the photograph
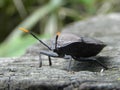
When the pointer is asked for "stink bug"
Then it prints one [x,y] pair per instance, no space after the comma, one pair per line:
[71,46]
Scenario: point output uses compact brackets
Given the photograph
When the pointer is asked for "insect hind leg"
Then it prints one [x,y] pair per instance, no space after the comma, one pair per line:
[91,59]
[49,54]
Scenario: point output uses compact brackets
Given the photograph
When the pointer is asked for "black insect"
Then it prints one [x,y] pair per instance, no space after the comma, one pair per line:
[71,46]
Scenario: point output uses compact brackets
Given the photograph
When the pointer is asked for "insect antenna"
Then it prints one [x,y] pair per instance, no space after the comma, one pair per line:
[58,33]
[27,31]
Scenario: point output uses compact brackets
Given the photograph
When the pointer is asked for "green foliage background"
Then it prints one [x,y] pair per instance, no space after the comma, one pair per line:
[44,17]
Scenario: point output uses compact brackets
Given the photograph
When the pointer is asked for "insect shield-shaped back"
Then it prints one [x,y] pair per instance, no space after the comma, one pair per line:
[76,46]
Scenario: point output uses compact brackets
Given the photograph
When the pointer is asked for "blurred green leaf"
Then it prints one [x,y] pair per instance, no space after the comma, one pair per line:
[88,2]
[31,21]
[14,39]
[89,5]
[18,45]
[2,2]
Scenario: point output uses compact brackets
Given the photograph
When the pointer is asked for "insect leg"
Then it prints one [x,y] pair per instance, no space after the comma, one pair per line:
[97,61]
[69,65]
[50,62]
[91,59]
[101,64]
[40,60]
[49,54]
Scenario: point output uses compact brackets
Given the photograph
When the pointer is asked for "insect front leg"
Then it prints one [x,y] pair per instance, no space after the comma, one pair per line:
[49,54]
